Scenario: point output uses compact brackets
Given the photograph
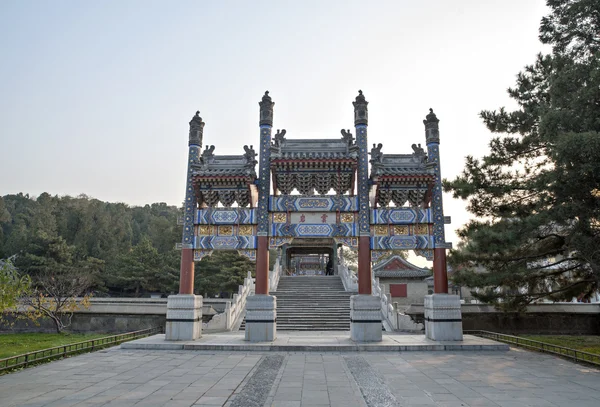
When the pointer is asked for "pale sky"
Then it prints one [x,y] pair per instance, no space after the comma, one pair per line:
[95,97]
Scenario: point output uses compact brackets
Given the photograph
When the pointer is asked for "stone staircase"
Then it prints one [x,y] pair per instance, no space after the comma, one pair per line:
[312,303]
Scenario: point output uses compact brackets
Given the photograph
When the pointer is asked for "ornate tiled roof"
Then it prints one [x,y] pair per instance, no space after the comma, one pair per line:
[399,164]
[224,179]
[397,267]
[309,165]
[313,149]
[402,178]
[214,166]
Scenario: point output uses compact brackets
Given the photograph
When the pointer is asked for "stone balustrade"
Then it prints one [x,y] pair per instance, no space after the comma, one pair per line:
[231,317]
[349,279]
[274,275]
[388,313]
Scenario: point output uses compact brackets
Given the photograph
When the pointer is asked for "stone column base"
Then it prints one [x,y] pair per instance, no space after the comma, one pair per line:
[365,318]
[443,318]
[184,317]
[261,318]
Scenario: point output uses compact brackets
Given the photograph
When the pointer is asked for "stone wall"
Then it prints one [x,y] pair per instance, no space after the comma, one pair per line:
[571,319]
[118,315]
[90,322]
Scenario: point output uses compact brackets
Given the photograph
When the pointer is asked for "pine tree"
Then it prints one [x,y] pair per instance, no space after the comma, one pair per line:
[536,194]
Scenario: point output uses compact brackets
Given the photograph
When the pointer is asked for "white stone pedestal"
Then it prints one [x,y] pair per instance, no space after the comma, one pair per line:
[365,318]
[443,319]
[184,317]
[261,318]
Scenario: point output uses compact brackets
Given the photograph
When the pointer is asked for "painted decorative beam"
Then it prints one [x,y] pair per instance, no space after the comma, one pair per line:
[225,242]
[401,216]
[226,216]
[313,230]
[313,203]
[401,242]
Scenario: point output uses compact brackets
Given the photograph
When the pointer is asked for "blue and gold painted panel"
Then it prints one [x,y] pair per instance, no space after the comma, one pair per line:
[401,242]
[225,230]
[313,229]
[226,216]
[225,242]
[401,216]
[312,217]
[401,230]
[289,203]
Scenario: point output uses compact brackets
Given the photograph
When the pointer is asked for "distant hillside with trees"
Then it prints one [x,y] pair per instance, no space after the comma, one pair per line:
[119,249]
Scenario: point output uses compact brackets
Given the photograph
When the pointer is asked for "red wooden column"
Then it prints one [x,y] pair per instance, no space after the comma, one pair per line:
[264,190]
[362,181]
[186,272]
[186,269]
[364,265]
[440,274]
[262,265]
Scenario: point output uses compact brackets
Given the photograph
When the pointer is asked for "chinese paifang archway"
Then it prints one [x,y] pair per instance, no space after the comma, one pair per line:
[395,206]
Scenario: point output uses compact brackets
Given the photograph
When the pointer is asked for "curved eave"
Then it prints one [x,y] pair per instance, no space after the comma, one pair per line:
[287,161]
[402,178]
[222,178]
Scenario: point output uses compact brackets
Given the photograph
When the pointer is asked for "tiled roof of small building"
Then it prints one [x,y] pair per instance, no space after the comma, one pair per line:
[397,267]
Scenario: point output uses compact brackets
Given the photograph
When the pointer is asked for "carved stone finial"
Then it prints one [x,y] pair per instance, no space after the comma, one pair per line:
[196,130]
[432,134]
[266,110]
[431,117]
[361,115]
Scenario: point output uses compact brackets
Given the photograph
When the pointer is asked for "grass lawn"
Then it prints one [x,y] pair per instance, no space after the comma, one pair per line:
[17,344]
[584,343]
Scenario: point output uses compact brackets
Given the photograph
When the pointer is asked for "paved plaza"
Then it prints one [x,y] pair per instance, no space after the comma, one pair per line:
[123,377]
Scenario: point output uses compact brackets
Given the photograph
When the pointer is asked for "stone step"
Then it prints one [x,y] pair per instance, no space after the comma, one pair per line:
[312,303]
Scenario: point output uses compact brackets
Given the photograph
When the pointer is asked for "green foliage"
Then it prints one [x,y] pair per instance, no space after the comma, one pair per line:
[538,188]
[58,275]
[222,272]
[13,286]
[18,344]
[120,250]
[83,228]
[141,270]
[584,343]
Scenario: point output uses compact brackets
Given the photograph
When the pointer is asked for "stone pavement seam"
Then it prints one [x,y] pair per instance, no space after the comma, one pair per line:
[254,393]
[355,388]
[375,391]
[275,385]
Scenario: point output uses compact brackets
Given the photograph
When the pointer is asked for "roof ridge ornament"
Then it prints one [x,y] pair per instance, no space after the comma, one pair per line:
[347,136]
[208,154]
[376,154]
[250,156]
[279,137]
[419,152]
